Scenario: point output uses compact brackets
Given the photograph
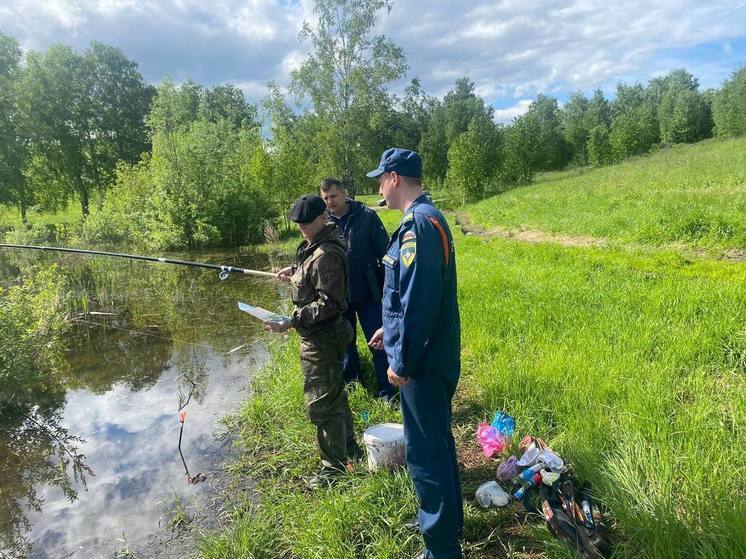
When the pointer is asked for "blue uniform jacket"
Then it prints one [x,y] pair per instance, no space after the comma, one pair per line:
[366,244]
[421,327]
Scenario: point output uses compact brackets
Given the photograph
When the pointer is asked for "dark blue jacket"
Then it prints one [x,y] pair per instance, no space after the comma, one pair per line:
[421,326]
[366,244]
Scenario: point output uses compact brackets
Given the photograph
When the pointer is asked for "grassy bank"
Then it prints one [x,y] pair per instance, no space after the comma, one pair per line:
[693,194]
[11,217]
[630,364]
[633,368]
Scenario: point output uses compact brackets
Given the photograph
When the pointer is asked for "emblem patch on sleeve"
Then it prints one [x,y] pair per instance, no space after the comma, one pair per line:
[408,251]
[408,236]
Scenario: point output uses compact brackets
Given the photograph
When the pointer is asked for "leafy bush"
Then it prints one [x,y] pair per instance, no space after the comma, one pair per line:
[194,192]
[40,233]
[472,160]
[684,117]
[32,323]
[634,132]
[128,213]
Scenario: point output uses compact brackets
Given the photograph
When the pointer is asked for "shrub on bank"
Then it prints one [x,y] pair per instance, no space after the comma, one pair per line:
[194,192]
[32,323]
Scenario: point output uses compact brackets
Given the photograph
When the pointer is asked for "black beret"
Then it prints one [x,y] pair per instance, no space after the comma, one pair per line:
[307,208]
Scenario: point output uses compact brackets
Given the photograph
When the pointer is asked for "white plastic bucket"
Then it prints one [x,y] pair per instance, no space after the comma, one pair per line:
[385,445]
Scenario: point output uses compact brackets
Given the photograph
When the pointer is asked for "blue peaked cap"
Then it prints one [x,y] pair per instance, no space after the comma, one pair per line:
[405,162]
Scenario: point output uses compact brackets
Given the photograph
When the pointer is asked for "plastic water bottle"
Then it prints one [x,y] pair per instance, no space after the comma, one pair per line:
[585,506]
[529,473]
[533,482]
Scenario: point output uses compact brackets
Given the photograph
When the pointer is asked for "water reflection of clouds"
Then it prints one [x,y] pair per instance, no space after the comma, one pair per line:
[131,446]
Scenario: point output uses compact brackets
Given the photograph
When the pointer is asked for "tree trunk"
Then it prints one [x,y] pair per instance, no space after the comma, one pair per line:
[22,201]
[84,204]
[348,183]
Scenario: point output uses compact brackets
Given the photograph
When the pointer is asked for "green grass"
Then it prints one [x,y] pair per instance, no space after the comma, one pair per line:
[368,199]
[691,194]
[632,367]
[11,217]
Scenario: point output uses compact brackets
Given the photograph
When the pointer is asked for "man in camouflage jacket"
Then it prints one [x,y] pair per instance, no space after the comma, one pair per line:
[319,293]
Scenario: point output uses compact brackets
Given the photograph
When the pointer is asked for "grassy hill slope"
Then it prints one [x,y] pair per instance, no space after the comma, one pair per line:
[693,194]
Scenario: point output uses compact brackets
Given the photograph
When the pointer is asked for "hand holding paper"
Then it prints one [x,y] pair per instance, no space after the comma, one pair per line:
[272,321]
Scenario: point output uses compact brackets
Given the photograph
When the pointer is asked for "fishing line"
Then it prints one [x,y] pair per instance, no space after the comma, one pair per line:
[143,333]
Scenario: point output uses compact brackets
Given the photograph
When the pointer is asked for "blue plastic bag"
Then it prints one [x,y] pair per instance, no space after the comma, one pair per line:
[504,424]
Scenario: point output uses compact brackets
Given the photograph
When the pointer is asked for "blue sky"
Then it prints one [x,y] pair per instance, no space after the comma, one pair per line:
[513,50]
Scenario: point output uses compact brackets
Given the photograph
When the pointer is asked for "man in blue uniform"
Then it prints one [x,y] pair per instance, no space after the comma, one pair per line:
[366,244]
[421,335]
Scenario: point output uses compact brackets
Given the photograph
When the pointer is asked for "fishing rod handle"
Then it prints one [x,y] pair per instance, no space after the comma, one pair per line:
[259,273]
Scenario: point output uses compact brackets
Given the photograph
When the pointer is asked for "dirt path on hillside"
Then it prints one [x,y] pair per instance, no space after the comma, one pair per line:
[538,236]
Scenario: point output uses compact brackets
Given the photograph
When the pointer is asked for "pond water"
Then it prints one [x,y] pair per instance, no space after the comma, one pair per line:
[149,340]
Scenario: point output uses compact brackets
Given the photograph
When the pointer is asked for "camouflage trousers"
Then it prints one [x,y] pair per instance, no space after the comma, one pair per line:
[321,357]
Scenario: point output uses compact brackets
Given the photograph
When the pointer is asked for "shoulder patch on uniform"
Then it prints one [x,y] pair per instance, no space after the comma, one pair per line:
[408,252]
[409,235]
[408,217]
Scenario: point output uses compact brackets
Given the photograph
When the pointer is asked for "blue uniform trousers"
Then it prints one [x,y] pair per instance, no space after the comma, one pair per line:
[431,459]
[369,313]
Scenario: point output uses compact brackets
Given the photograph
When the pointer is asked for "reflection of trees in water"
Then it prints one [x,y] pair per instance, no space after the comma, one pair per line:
[106,356]
[35,450]
[167,300]
[174,301]
[191,363]
[8,271]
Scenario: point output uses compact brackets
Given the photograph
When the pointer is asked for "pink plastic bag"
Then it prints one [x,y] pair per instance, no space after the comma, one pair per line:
[490,439]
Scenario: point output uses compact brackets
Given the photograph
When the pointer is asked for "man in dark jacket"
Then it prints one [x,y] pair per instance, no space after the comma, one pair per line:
[319,293]
[366,244]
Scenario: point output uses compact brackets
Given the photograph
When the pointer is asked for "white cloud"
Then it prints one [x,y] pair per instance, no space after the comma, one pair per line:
[292,61]
[510,49]
[252,90]
[520,49]
[506,115]
[225,41]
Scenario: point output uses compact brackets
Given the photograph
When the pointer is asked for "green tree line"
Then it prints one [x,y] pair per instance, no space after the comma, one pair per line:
[187,166]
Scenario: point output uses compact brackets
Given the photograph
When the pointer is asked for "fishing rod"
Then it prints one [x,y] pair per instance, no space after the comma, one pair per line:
[224,271]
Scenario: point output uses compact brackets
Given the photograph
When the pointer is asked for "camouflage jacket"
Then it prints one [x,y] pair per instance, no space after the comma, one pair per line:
[319,281]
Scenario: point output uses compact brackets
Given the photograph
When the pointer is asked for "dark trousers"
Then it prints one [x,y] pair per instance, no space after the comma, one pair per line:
[369,314]
[326,399]
[431,459]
